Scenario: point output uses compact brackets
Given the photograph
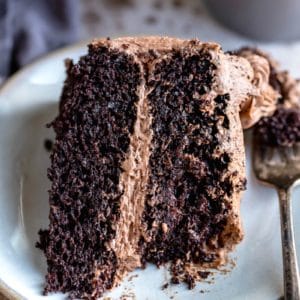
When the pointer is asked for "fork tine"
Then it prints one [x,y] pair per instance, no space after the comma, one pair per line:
[269,155]
[287,153]
[261,152]
[261,155]
[258,154]
[278,157]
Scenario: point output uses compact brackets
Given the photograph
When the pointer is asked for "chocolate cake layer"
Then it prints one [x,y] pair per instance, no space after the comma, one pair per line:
[97,116]
[281,129]
[148,163]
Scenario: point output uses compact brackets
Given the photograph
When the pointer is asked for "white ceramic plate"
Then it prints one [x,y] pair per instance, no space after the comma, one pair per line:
[27,102]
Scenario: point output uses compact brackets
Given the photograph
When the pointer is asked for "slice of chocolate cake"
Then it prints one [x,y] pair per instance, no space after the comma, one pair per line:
[148,164]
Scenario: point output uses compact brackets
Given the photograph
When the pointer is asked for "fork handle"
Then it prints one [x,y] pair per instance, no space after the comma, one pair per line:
[290,265]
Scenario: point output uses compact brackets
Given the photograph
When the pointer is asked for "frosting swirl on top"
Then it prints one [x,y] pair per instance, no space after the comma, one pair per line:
[246,78]
[262,100]
[290,89]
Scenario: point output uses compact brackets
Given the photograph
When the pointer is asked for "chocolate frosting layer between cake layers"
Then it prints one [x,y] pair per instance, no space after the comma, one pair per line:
[133,182]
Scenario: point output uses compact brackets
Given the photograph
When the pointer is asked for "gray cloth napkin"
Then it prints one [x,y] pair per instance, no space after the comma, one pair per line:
[30,28]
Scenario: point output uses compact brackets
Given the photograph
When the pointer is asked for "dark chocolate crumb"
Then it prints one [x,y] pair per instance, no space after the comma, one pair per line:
[190,281]
[48,144]
[175,280]
[203,274]
[281,129]
[165,286]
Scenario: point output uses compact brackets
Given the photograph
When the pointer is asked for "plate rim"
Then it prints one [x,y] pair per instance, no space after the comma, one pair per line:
[15,76]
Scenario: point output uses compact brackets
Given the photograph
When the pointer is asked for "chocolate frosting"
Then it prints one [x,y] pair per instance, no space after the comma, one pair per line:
[133,183]
[290,89]
[263,98]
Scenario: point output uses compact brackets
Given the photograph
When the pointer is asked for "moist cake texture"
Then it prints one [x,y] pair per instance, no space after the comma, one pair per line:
[148,164]
[281,129]
[92,139]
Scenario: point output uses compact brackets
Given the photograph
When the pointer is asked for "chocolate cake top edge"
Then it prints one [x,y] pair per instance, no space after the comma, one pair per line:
[157,43]
[281,80]
[256,96]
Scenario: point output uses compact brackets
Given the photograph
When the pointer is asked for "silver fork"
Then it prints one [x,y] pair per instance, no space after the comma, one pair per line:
[280,167]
